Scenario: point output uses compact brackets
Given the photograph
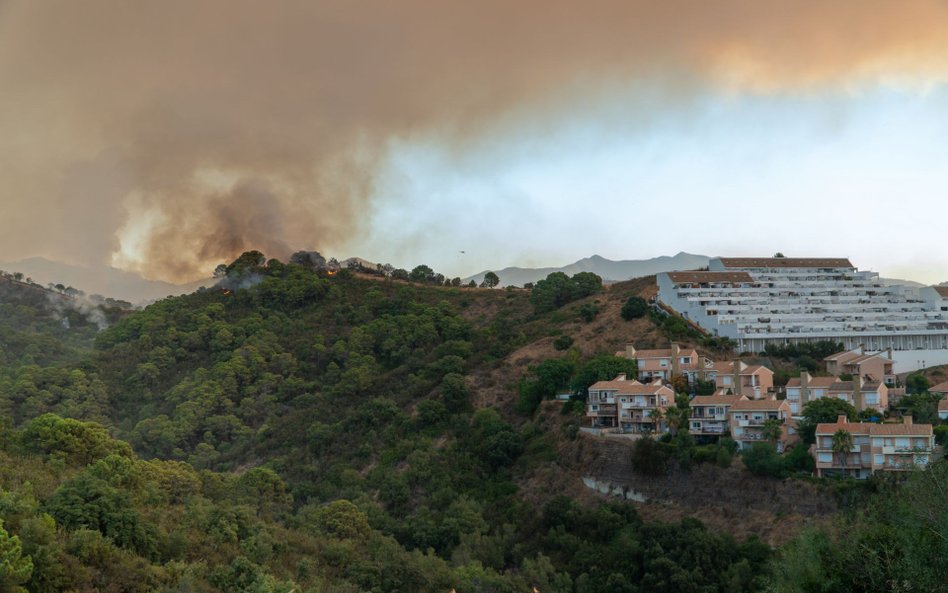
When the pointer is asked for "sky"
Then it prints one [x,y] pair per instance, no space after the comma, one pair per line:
[165,138]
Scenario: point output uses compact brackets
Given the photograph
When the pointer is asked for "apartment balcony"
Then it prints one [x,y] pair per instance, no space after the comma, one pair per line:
[715,418]
[712,430]
[757,421]
[637,406]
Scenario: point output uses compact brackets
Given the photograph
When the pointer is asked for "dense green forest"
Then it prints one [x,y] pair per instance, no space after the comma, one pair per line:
[295,431]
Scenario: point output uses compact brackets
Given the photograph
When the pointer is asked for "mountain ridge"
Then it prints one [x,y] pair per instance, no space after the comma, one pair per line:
[607,269]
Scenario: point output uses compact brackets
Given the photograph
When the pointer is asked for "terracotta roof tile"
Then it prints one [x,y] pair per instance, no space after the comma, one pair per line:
[888,429]
[716,400]
[709,277]
[815,382]
[786,262]
[940,388]
[754,405]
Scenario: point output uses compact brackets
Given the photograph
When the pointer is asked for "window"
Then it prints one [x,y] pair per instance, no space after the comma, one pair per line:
[902,443]
[878,459]
[825,458]
[727,379]
[594,408]
[663,363]
[685,360]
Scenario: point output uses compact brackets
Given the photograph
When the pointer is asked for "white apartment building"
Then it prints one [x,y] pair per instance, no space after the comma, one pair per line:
[761,301]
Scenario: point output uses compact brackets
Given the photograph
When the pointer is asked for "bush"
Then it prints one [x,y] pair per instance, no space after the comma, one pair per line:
[649,457]
[798,459]
[762,459]
[941,434]
[588,312]
[634,308]
[563,343]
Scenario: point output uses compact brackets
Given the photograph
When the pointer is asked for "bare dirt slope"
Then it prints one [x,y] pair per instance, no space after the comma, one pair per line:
[730,499]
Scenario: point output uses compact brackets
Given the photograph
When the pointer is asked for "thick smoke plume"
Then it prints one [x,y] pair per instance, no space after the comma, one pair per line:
[171,136]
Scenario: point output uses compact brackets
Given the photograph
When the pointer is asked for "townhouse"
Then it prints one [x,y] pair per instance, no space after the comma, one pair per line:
[749,416]
[861,395]
[871,447]
[666,363]
[754,381]
[805,388]
[710,415]
[871,367]
[627,405]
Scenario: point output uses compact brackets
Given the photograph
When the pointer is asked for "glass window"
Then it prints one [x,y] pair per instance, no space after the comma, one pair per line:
[825,458]
[878,459]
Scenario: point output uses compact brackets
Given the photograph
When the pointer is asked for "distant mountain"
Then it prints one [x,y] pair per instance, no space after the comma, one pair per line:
[607,269]
[107,281]
[900,282]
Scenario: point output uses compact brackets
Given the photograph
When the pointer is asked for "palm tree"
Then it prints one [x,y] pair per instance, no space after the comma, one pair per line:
[656,416]
[772,429]
[842,445]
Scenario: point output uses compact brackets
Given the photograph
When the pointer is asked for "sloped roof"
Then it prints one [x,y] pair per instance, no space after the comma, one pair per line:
[845,355]
[888,429]
[715,400]
[757,405]
[709,277]
[786,262]
[940,388]
[815,382]
[631,387]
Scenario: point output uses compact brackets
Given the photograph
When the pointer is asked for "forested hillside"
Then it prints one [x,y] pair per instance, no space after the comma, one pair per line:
[299,431]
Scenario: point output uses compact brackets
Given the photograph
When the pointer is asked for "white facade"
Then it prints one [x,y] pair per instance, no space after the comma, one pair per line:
[779,301]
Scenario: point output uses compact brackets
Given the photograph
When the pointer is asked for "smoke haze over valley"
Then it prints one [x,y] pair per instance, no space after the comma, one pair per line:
[169,137]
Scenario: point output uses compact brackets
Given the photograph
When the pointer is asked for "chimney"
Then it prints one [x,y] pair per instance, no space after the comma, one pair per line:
[857,392]
[889,351]
[737,366]
[841,419]
[676,365]
[629,351]
[862,349]
[704,363]
[907,419]
[804,388]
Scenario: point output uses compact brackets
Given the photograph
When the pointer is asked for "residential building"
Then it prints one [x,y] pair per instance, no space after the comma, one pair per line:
[754,381]
[859,394]
[862,396]
[943,409]
[748,416]
[870,366]
[710,414]
[666,363]
[940,389]
[875,447]
[805,388]
[628,405]
[763,301]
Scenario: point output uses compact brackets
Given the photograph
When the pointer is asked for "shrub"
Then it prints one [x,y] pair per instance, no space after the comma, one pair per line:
[762,459]
[563,343]
[649,457]
[588,312]
[634,308]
